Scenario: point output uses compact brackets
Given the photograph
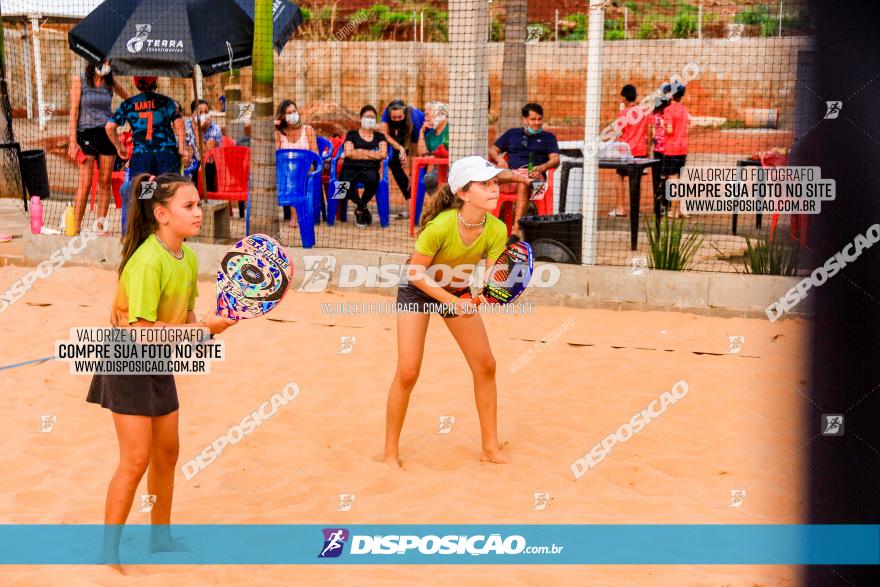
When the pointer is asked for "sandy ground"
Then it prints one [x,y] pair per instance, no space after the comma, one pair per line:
[738,428]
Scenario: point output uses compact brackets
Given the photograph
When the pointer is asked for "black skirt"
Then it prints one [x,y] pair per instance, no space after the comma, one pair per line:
[136,395]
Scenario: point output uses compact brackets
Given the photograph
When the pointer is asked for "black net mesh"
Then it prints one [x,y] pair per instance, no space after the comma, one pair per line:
[463,71]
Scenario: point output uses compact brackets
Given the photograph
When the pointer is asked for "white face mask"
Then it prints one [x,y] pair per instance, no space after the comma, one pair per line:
[292,118]
[104,69]
[368,123]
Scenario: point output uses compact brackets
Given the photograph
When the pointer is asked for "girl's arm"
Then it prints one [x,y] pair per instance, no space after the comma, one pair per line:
[216,324]
[508,176]
[120,91]
[277,139]
[422,148]
[313,139]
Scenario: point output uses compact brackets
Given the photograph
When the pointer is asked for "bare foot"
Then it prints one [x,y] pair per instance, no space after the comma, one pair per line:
[392,461]
[494,456]
[168,545]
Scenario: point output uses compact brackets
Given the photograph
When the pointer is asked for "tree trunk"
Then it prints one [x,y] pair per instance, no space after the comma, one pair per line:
[264,205]
[514,78]
[468,78]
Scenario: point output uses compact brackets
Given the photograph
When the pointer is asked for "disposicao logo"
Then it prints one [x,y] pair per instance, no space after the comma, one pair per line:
[334,542]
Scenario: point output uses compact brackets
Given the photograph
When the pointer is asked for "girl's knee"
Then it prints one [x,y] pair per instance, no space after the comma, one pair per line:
[485,367]
[408,376]
[166,455]
[134,466]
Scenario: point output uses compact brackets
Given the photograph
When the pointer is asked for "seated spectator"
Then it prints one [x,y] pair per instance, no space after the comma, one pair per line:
[636,136]
[291,133]
[434,141]
[365,149]
[401,125]
[530,150]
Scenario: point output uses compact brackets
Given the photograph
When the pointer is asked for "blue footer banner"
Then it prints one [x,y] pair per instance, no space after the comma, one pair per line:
[296,544]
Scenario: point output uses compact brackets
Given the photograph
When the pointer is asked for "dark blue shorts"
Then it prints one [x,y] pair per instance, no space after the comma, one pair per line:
[155,163]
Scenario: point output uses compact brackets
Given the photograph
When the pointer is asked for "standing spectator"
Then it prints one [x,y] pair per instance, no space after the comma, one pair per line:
[676,119]
[636,136]
[156,128]
[91,95]
[531,151]
[365,149]
[658,140]
[401,125]
[291,133]
[212,136]
[434,141]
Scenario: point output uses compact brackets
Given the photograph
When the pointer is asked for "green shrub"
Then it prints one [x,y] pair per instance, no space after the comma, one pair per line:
[614,35]
[770,28]
[646,29]
[753,14]
[733,124]
[684,26]
[772,257]
[669,248]
[631,6]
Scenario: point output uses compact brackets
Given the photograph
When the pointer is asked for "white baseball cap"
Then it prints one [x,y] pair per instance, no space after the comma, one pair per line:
[468,169]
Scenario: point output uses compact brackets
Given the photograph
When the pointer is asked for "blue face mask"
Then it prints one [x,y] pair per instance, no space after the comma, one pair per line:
[531,131]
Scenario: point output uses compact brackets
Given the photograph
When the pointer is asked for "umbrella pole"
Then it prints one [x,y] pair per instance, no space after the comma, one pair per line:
[198,132]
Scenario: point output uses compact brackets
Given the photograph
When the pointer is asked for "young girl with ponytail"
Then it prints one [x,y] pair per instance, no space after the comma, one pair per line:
[457,231]
[156,288]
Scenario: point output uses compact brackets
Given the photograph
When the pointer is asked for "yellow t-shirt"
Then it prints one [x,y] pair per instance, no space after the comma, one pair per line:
[441,240]
[156,286]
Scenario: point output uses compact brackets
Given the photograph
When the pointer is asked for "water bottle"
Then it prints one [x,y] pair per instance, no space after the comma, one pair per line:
[36,214]
[70,221]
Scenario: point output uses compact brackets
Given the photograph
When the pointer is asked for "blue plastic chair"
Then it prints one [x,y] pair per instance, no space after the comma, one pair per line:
[383,201]
[325,148]
[299,185]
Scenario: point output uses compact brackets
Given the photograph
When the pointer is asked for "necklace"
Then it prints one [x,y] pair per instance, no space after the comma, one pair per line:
[173,254]
[468,224]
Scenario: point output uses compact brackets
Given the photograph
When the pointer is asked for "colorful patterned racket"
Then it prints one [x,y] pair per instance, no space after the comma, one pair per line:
[254,276]
[507,279]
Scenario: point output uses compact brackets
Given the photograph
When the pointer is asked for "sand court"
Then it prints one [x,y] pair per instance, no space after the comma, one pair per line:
[737,428]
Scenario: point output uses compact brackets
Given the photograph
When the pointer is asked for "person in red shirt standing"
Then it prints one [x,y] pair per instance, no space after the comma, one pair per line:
[635,135]
[676,118]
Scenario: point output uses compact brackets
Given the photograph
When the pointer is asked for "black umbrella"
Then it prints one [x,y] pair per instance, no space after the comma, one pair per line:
[170,37]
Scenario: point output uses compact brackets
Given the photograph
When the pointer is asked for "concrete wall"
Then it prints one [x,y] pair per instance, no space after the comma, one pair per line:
[753,73]
[582,287]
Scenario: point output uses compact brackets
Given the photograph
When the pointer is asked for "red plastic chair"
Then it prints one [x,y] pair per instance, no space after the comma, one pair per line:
[227,142]
[798,230]
[117,177]
[507,195]
[233,168]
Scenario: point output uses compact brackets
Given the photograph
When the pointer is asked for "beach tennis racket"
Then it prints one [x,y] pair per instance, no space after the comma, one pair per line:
[253,277]
[508,278]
